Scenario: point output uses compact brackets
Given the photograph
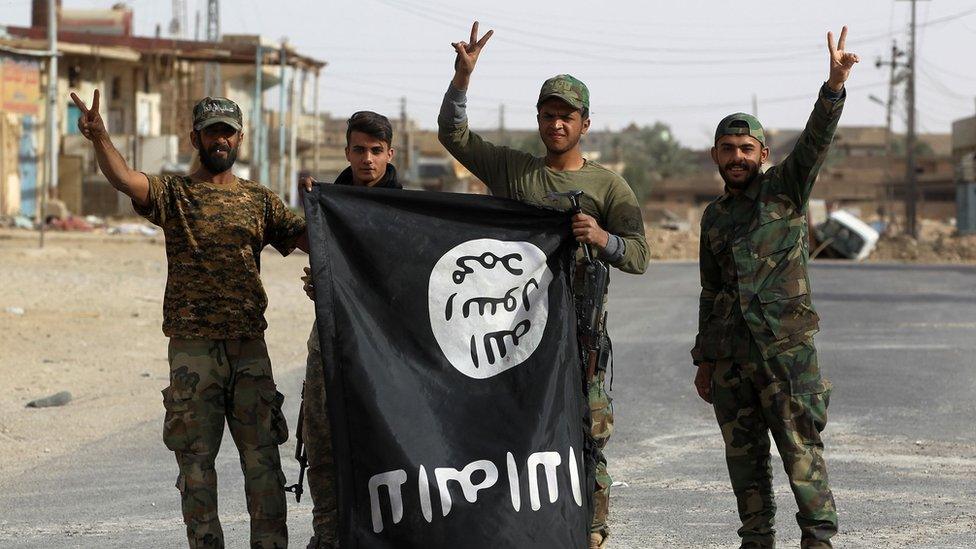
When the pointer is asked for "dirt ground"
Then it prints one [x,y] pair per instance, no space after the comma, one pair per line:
[83,315]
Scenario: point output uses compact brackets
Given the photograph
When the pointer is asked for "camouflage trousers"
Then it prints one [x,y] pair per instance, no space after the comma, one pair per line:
[601,427]
[321,466]
[317,435]
[785,396]
[214,380]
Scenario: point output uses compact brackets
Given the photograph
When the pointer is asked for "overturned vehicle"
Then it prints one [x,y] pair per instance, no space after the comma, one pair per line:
[844,236]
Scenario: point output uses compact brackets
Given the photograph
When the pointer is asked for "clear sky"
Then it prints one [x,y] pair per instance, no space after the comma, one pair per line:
[686,62]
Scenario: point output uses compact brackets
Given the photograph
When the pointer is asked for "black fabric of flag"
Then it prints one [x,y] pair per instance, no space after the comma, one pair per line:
[454,378]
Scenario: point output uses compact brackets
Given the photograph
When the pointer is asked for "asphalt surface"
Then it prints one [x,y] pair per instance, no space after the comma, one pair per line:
[898,343]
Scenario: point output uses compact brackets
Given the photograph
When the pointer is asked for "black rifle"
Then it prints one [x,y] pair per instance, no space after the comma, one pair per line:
[300,456]
[590,307]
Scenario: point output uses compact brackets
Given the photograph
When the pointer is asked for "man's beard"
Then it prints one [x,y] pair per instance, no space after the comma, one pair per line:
[551,149]
[739,185]
[218,165]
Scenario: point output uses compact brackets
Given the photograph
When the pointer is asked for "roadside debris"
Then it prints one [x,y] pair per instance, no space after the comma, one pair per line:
[70,223]
[844,236]
[57,399]
[16,311]
[937,243]
[21,222]
[133,228]
[671,245]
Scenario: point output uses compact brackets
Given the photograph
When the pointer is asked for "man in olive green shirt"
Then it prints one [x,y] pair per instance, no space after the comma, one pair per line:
[611,221]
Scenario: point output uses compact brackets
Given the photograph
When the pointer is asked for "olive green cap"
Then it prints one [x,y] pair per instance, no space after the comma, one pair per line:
[741,123]
[567,88]
[217,110]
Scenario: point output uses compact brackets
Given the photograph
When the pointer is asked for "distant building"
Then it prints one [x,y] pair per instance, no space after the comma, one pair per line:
[963,138]
[964,157]
[858,174]
[148,88]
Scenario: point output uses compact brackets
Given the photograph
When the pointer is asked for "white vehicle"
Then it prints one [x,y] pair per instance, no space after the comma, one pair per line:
[845,236]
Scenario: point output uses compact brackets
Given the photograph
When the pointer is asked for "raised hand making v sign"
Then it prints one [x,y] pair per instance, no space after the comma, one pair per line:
[131,182]
[90,122]
[467,56]
[841,61]
[757,363]
[610,220]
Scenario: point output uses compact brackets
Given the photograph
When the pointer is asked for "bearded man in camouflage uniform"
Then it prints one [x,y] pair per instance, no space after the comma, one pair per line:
[213,312]
[611,221]
[757,365]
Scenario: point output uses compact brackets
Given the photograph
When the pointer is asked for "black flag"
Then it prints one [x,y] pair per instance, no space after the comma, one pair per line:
[454,378]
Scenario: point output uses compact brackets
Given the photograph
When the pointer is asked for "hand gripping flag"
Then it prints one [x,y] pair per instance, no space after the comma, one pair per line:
[454,379]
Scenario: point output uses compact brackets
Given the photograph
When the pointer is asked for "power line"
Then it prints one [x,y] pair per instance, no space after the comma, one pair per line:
[947,72]
[782,49]
[614,47]
[937,85]
[560,40]
[622,108]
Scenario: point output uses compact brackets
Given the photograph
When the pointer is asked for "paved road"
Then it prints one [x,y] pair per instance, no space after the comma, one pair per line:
[898,342]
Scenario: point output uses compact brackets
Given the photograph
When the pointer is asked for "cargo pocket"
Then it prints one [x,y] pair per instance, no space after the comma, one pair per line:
[276,425]
[809,410]
[786,308]
[181,485]
[177,422]
[601,413]
[773,237]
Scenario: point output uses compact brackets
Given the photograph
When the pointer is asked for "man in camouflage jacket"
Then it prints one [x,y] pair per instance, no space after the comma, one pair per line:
[213,312]
[756,361]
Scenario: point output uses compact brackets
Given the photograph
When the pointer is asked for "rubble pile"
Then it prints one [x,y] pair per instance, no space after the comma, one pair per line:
[937,243]
[670,244]
[943,249]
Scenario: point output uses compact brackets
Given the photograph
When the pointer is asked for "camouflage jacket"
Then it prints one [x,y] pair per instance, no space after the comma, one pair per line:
[214,237]
[754,253]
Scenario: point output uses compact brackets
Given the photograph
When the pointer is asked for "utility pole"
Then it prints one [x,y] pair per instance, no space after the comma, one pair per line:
[281,119]
[318,123]
[177,25]
[407,141]
[257,118]
[212,71]
[52,113]
[911,200]
[502,140]
[755,105]
[293,145]
[893,79]
[911,196]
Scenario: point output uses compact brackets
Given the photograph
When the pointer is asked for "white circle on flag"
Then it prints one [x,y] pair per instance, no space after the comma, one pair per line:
[488,302]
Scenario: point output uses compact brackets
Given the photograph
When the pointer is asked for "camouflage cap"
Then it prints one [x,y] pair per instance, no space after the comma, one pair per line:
[741,123]
[567,88]
[215,110]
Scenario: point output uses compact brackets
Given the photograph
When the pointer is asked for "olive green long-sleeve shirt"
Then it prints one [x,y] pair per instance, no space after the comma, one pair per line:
[515,174]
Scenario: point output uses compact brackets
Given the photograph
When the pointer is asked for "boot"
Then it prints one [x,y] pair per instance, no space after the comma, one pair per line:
[598,541]
[318,543]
